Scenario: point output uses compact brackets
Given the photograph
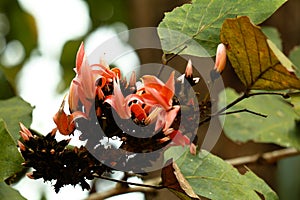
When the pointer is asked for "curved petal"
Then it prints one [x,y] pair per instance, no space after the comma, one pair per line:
[170,82]
[73,98]
[79,57]
[117,101]
[170,116]
[160,98]
[149,79]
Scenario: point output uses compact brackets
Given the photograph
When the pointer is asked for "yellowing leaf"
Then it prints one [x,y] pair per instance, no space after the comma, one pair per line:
[255,59]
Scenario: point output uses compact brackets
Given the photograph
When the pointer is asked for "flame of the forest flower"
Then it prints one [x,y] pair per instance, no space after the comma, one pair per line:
[160,95]
[119,102]
[220,58]
[65,123]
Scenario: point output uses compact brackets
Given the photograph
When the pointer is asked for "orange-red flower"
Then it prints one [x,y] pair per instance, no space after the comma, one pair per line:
[158,94]
[85,86]
[121,103]
[65,123]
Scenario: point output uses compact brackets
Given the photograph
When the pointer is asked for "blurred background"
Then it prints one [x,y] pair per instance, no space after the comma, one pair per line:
[38,45]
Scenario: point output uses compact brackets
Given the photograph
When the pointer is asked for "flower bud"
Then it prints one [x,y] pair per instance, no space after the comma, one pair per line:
[24,132]
[220,58]
[21,145]
[189,69]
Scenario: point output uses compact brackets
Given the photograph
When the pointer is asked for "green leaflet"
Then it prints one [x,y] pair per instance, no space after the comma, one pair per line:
[13,111]
[279,127]
[202,19]
[213,178]
[10,157]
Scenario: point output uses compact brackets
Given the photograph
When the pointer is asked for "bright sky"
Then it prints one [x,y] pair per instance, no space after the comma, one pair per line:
[57,21]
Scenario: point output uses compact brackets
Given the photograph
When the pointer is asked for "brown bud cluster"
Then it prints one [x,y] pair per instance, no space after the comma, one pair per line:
[52,160]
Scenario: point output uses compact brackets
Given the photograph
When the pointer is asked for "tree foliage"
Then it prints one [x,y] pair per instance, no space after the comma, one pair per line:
[266,112]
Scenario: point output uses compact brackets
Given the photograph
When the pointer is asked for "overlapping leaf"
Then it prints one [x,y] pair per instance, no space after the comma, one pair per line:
[279,127]
[202,19]
[213,178]
[255,59]
[273,34]
[10,157]
[8,193]
[295,58]
[13,111]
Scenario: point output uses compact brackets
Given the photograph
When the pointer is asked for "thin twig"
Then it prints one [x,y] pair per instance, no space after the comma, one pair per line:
[245,95]
[244,110]
[168,60]
[117,191]
[129,183]
[268,157]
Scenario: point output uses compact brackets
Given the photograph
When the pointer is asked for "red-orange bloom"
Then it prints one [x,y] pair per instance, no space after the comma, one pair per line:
[119,102]
[159,94]
[65,123]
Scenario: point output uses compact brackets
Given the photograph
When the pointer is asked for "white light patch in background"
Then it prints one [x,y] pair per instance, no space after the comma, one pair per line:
[57,22]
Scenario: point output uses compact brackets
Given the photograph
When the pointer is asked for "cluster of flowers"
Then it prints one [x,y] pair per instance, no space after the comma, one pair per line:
[152,102]
[95,94]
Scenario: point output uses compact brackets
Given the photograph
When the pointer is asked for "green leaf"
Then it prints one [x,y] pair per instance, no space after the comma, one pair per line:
[215,179]
[279,127]
[10,157]
[8,193]
[295,58]
[13,111]
[202,19]
[273,34]
[256,60]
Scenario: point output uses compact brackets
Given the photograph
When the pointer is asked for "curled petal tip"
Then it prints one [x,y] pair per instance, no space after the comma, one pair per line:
[79,57]
[189,69]
[104,63]
[24,132]
[65,123]
[30,175]
[220,58]
[21,145]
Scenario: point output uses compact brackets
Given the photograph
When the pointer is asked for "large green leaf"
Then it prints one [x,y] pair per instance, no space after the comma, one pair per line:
[8,193]
[10,157]
[279,127]
[13,111]
[213,178]
[256,60]
[202,19]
